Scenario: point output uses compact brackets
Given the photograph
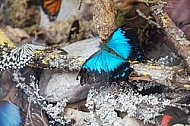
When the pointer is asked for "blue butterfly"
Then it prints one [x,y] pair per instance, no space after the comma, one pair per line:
[109,64]
[9,114]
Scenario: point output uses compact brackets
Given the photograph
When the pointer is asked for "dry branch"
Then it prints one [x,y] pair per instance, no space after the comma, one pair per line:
[177,39]
[104,18]
[165,75]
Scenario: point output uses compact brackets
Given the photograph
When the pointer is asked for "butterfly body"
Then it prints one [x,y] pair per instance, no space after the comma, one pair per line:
[110,63]
[9,114]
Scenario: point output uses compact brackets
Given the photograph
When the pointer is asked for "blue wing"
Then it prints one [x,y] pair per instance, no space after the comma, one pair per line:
[124,47]
[110,63]
[119,43]
[101,67]
[9,114]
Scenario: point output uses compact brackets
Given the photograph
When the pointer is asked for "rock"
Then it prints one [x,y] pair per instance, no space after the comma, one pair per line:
[78,116]
[129,121]
[64,85]
[56,85]
[83,48]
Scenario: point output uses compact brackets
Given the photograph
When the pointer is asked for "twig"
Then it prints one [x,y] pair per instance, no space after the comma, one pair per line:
[32,91]
[79,4]
[41,118]
[152,1]
[148,18]
[178,41]
[28,115]
[179,104]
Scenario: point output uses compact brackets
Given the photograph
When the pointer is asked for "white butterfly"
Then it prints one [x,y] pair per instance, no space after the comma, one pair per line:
[20,56]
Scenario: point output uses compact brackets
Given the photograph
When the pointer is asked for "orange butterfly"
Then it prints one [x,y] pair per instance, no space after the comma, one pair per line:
[51,8]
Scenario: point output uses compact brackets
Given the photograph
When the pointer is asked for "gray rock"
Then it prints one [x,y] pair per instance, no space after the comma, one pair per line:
[129,121]
[84,48]
[56,85]
[78,116]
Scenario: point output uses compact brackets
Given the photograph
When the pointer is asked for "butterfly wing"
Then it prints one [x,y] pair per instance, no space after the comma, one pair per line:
[10,114]
[119,43]
[17,58]
[110,63]
[101,66]
[124,47]
[51,8]
[20,56]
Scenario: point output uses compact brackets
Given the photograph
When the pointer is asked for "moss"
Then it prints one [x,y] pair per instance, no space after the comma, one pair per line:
[120,17]
[20,15]
[32,29]
[16,12]
[5,40]
[58,31]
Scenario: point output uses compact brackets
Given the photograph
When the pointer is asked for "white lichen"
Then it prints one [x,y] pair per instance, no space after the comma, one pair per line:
[104,103]
[54,112]
[167,59]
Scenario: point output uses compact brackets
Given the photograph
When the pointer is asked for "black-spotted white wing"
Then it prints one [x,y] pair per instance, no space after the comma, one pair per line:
[19,57]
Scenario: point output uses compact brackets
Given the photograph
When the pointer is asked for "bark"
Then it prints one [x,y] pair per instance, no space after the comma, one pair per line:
[104,18]
[176,37]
